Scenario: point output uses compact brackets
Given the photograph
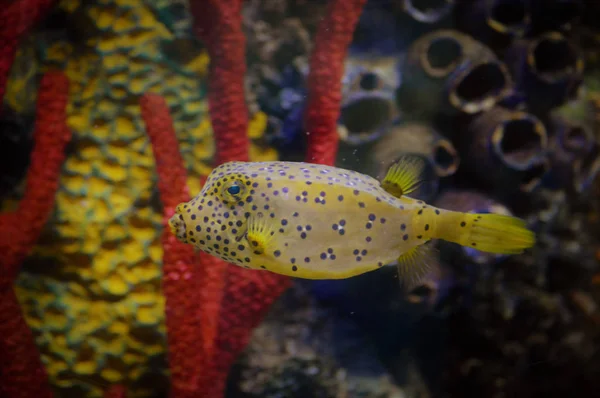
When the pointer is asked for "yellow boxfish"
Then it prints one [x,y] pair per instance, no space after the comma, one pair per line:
[320,222]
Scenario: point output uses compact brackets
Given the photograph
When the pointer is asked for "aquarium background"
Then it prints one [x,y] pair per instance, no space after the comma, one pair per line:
[114,111]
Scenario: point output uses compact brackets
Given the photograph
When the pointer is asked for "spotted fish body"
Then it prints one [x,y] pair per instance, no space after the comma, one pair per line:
[309,221]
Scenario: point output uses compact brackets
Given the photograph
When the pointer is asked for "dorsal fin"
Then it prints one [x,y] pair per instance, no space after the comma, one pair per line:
[404,176]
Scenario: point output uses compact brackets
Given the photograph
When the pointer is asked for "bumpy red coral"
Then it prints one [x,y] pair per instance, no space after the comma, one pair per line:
[21,372]
[248,295]
[181,277]
[219,24]
[324,80]
[16,19]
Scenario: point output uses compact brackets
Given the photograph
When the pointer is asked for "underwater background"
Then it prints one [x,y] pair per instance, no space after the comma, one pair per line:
[115,111]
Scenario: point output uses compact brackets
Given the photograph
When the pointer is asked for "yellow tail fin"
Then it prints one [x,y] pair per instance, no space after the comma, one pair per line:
[492,233]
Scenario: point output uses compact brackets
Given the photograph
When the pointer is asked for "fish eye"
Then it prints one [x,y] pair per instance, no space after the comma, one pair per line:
[234,190]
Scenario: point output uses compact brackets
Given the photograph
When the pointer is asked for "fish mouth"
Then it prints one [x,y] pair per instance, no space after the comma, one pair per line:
[177,226]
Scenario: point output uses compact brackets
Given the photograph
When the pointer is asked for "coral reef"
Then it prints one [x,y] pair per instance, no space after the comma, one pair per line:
[101,262]
[225,323]
[499,96]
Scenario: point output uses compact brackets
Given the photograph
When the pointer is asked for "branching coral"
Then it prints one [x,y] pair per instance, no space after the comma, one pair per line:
[324,81]
[219,24]
[21,372]
[180,272]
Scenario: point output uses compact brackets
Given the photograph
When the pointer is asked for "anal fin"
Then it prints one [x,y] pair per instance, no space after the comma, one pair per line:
[404,176]
[260,233]
[416,264]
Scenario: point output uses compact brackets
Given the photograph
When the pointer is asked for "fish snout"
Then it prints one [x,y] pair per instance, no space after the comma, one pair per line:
[177,224]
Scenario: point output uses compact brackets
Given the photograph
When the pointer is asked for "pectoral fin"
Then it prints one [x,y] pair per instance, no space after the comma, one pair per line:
[260,233]
[415,264]
[404,176]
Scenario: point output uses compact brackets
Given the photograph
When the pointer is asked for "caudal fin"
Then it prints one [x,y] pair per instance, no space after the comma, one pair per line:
[497,233]
[492,233]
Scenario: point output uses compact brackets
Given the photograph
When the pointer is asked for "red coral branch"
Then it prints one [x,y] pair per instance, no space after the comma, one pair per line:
[181,276]
[21,372]
[324,80]
[219,24]
[249,295]
[16,18]
[214,279]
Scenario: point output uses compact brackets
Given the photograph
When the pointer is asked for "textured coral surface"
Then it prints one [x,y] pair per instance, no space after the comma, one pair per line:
[21,373]
[327,65]
[92,292]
